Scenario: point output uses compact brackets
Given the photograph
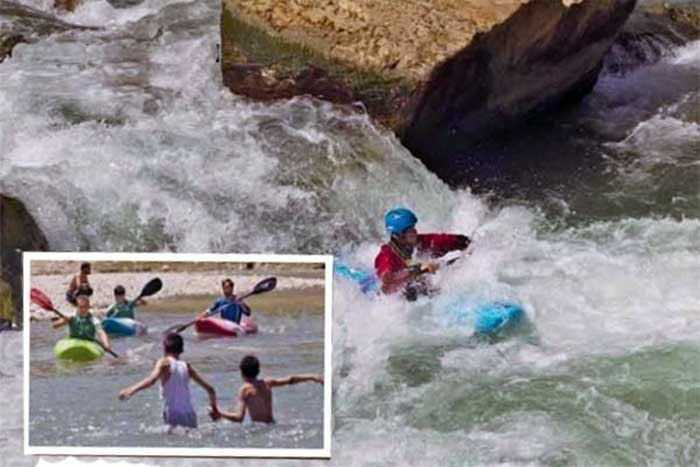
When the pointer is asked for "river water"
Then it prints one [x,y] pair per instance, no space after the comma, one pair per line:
[115,142]
[285,346]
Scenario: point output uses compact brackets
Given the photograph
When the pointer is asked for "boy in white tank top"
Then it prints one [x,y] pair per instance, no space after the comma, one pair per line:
[174,375]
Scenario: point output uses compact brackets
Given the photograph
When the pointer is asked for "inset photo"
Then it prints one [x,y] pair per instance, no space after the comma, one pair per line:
[177,355]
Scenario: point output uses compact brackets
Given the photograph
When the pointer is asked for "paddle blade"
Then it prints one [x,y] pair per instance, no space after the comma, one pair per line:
[265,285]
[39,298]
[152,287]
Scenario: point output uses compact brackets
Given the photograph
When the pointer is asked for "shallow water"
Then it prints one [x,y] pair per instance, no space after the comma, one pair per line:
[284,346]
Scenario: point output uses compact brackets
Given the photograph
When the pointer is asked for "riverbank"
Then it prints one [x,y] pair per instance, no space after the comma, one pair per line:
[184,291]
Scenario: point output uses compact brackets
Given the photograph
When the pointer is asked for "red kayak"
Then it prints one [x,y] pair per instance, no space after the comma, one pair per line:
[224,327]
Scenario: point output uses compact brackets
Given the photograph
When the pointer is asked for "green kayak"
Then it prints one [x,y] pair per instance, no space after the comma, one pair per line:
[78,350]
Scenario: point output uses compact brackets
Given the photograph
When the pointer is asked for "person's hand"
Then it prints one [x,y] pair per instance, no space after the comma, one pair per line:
[462,242]
[124,394]
[214,413]
[319,379]
[429,267]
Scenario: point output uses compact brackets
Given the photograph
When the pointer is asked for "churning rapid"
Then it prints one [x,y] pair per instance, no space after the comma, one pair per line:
[123,138]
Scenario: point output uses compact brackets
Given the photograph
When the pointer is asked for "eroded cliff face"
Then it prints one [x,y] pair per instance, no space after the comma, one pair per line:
[542,55]
[406,39]
[439,73]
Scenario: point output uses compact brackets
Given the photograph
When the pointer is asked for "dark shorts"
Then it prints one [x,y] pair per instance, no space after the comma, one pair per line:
[72,297]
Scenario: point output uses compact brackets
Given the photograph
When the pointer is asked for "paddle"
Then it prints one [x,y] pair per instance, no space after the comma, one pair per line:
[152,287]
[263,286]
[38,297]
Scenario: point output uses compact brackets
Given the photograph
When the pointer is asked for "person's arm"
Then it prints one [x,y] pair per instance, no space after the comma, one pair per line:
[394,280]
[441,244]
[245,308]
[239,412]
[212,310]
[61,321]
[111,310]
[147,382]
[207,387]
[294,379]
[103,338]
[73,284]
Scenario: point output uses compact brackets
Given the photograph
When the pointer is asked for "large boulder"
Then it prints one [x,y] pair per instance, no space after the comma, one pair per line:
[19,232]
[441,74]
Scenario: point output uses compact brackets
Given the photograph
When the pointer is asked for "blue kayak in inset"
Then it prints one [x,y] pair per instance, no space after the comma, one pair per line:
[486,319]
[123,327]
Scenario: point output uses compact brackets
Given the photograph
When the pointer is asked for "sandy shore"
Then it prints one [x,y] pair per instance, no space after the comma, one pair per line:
[174,284]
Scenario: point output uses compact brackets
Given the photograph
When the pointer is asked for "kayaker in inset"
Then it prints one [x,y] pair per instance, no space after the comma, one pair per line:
[228,305]
[83,325]
[255,395]
[79,285]
[395,265]
[174,375]
[123,308]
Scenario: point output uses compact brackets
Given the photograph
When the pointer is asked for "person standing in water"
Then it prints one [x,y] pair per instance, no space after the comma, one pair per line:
[228,305]
[255,395]
[395,265]
[174,375]
[79,285]
[83,325]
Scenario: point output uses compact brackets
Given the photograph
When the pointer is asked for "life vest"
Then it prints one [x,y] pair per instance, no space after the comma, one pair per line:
[82,328]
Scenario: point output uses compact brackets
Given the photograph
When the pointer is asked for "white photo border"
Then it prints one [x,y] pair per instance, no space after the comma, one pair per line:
[322,453]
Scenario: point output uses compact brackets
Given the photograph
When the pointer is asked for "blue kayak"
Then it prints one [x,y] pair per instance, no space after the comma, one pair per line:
[123,327]
[487,318]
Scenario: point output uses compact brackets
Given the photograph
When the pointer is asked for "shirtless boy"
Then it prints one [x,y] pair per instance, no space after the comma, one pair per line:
[255,395]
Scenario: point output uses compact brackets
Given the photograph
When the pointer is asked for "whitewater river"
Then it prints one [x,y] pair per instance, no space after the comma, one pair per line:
[123,138]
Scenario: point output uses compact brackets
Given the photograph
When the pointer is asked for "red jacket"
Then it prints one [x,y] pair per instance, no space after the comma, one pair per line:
[387,260]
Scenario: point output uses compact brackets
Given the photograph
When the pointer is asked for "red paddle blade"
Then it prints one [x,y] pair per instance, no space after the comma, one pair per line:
[38,297]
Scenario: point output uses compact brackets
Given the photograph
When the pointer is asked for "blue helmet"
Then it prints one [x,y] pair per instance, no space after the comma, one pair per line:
[398,220]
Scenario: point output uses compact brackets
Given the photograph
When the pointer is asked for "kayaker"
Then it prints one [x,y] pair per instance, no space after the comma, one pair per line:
[255,395]
[79,285]
[174,375]
[395,265]
[83,325]
[123,308]
[229,307]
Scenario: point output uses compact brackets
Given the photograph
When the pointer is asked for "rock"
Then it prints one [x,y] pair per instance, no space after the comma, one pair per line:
[685,14]
[652,31]
[543,55]
[26,24]
[18,232]
[7,43]
[438,73]
[65,5]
